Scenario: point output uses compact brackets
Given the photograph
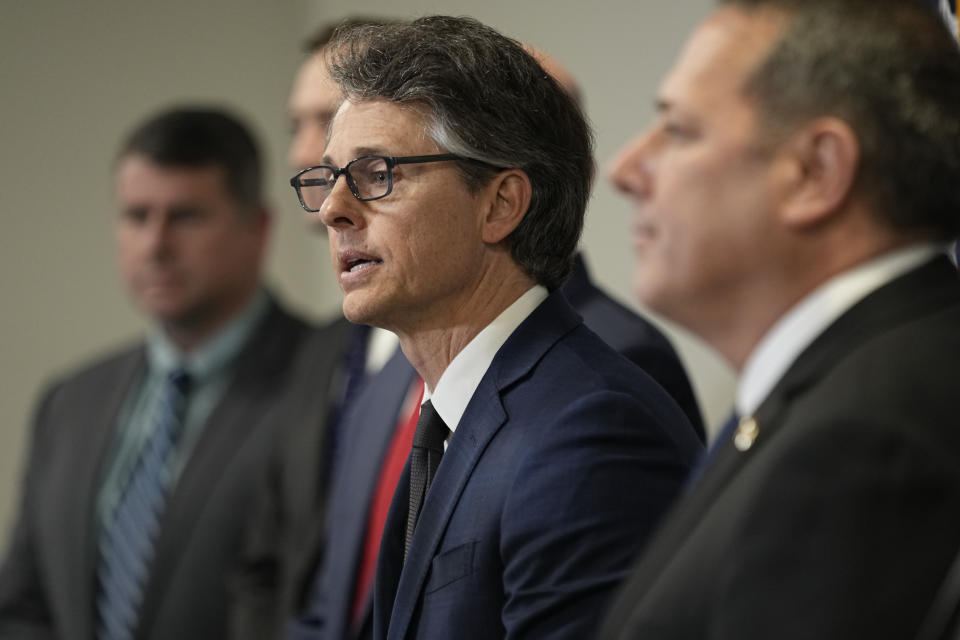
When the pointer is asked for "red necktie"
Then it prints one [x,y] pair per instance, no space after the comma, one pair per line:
[390,471]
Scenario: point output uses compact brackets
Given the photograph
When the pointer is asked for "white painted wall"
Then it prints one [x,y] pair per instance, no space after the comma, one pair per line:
[76,76]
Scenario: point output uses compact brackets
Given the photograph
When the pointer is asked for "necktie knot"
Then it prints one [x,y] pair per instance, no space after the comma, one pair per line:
[431,431]
[174,403]
[180,380]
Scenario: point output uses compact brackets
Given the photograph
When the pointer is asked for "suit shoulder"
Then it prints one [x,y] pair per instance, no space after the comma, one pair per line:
[99,369]
[583,355]
[908,366]
[581,368]
[619,326]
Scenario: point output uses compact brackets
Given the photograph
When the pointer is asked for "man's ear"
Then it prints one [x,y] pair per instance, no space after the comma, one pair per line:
[509,198]
[820,163]
[261,223]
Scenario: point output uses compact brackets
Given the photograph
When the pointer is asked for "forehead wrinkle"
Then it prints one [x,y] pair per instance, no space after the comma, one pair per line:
[411,135]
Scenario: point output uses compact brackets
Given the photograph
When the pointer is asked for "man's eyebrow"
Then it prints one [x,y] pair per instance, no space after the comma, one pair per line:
[359,152]
[369,151]
[661,105]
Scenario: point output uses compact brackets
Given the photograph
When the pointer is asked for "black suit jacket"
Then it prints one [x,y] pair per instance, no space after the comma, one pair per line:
[284,524]
[942,621]
[48,579]
[841,519]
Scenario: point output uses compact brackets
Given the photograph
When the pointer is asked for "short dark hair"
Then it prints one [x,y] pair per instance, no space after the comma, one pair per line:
[195,137]
[891,71]
[486,99]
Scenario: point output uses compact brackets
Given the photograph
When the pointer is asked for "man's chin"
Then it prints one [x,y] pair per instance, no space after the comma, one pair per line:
[169,312]
[651,294]
[162,310]
[359,309]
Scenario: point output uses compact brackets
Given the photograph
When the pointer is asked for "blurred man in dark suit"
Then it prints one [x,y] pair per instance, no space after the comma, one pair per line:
[143,464]
[793,198]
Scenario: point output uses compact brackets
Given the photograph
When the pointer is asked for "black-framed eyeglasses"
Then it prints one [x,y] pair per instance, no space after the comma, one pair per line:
[369,177]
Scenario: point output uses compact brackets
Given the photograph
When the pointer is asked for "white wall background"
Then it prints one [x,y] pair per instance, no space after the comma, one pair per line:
[74,77]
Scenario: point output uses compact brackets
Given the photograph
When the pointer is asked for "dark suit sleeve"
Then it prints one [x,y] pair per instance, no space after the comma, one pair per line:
[579,511]
[278,538]
[826,529]
[24,608]
[256,611]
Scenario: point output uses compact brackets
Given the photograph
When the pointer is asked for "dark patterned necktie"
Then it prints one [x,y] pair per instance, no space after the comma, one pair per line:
[425,457]
[130,532]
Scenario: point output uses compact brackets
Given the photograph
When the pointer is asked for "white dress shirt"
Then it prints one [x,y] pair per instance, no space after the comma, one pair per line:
[462,376]
[810,317]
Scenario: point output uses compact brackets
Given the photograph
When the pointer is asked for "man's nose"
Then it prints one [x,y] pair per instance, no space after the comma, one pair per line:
[341,209]
[630,169]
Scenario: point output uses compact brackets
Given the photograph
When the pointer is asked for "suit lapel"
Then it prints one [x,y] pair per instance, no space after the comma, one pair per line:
[458,462]
[390,557]
[483,418]
[368,430]
[301,460]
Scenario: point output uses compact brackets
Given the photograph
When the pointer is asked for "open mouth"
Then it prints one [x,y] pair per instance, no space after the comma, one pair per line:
[355,262]
[359,265]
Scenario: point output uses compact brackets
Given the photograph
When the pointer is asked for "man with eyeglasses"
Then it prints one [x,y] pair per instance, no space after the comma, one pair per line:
[334,587]
[285,530]
[453,188]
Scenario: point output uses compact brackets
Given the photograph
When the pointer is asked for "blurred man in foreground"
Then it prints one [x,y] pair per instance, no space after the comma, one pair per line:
[142,464]
[792,201]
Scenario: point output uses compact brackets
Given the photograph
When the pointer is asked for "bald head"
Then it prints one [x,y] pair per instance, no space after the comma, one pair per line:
[559,73]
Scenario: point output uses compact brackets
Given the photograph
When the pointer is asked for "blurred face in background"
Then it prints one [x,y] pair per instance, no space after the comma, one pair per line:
[189,254]
[702,188]
[314,99]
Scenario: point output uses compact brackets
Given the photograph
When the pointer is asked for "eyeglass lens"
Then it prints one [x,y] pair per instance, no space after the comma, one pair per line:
[368,178]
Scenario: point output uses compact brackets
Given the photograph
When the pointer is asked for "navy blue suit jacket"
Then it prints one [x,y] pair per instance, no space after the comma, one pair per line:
[634,337]
[370,426]
[565,459]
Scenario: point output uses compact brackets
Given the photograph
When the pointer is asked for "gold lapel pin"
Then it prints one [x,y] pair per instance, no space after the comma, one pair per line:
[746,433]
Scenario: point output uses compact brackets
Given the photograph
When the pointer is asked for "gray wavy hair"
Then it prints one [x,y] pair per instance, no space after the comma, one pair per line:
[487,99]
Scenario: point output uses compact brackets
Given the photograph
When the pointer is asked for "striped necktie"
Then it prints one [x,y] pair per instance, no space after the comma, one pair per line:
[130,532]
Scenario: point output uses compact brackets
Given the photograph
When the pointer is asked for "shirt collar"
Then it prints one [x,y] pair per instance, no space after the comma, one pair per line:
[462,376]
[214,354]
[807,319]
[380,347]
